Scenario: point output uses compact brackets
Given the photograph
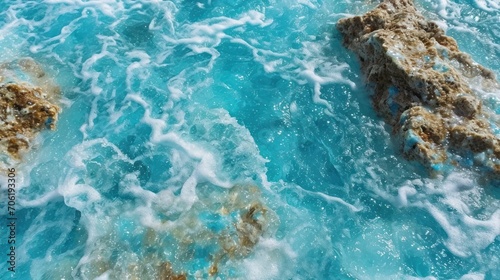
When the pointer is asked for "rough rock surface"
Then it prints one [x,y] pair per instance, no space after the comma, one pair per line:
[24,109]
[420,81]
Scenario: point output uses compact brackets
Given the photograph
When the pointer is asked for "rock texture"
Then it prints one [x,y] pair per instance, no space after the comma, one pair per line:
[420,81]
[24,109]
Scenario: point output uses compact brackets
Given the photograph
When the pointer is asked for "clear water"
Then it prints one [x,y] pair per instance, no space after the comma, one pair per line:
[178,116]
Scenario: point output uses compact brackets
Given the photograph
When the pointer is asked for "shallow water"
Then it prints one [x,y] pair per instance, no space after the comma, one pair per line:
[187,123]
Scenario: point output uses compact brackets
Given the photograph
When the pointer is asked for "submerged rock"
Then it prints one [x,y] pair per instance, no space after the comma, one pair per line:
[420,81]
[207,241]
[167,273]
[25,109]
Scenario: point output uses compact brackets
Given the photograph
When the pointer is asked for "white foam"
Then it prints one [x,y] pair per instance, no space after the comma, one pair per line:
[91,118]
[470,219]
[488,5]
[318,71]
[140,66]
[403,194]
[466,235]
[210,32]
[269,260]
[207,163]
[331,199]
[78,154]
[175,86]
[293,107]
[307,3]
[104,276]
[473,276]
[441,8]
[107,7]
[466,241]
[130,185]
[78,195]
[42,200]
[314,68]
[88,73]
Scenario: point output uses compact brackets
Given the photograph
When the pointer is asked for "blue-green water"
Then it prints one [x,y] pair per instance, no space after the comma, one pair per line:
[180,116]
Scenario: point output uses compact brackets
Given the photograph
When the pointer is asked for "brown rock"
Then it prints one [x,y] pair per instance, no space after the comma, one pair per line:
[24,111]
[420,83]
[167,273]
[467,106]
[423,134]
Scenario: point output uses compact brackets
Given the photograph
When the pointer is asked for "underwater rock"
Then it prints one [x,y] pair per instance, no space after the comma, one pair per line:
[420,81]
[206,241]
[254,220]
[25,109]
[250,228]
[167,273]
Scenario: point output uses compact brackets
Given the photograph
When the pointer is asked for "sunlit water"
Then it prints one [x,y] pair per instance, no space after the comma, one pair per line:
[179,117]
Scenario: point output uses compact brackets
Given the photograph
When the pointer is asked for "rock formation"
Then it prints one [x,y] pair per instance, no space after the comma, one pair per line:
[25,109]
[420,82]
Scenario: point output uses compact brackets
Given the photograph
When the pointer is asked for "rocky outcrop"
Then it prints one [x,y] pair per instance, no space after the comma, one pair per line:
[420,81]
[25,109]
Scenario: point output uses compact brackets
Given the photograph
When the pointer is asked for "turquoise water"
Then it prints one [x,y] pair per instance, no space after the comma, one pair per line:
[180,117]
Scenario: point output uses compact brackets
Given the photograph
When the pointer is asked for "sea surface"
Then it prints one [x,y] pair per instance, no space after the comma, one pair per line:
[233,139]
